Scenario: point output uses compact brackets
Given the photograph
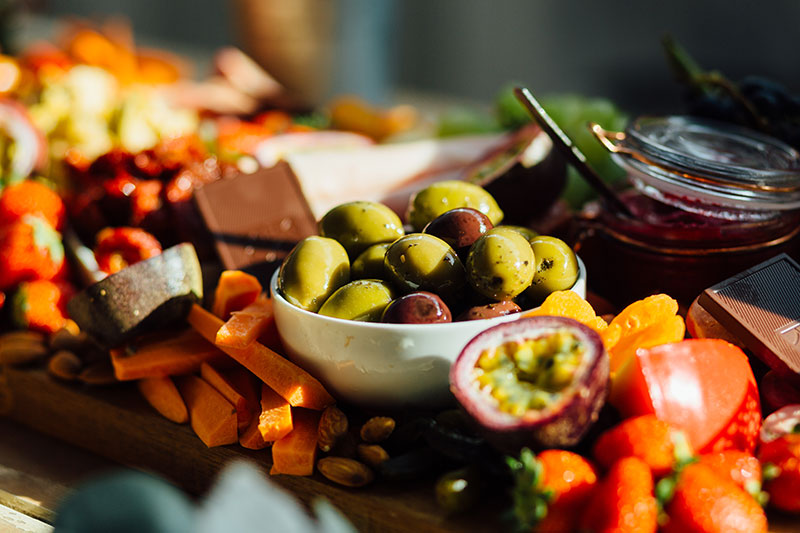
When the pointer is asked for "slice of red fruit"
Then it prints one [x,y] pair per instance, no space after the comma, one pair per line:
[704,387]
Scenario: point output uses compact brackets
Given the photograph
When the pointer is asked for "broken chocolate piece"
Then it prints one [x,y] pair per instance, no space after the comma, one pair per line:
[150,294]
[256,219]
[761,308]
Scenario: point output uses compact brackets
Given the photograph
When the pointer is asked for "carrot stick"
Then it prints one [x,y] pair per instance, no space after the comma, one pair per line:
[275,421]
[212,417]
[251,437]
[296,453]
[226,388]
[256,321]
[245,382]
[163,395]
[235,290]
[165,356]
[296,385]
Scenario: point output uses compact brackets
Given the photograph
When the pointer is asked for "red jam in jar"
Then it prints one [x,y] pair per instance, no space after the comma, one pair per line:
[708,201]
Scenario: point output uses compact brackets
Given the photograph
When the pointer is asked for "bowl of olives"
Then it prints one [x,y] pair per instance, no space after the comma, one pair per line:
[379,312]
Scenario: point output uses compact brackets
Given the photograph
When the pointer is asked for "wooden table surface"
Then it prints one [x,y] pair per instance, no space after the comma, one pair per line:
[56,435]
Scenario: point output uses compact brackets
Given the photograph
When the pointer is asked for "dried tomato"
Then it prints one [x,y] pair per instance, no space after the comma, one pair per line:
[118,248]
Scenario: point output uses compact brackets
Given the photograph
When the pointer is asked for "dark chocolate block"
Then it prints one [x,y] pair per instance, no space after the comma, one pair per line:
[256,219]
[761,307]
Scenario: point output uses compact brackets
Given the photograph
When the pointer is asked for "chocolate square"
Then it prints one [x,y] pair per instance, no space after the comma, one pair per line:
[256,219]
[761,307]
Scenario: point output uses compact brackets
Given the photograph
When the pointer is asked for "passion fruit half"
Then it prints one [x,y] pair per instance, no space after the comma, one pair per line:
[537,381]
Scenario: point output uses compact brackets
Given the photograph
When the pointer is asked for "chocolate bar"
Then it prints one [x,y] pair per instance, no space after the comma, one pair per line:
[256,219]
[761,308]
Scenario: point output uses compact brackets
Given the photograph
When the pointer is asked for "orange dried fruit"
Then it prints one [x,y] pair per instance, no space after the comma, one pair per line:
[667,329]
[570,305]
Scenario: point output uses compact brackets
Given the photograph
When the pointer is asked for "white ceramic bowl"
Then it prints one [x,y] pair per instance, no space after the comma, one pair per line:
[376,364]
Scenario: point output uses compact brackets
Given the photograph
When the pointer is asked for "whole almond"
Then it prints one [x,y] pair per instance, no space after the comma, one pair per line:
[347,472]
[372,454]
[377,429]
[65,365]
[64,339]
[333,425]
[21,347]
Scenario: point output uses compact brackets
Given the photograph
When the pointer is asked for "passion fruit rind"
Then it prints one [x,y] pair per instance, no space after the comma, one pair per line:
[561,423]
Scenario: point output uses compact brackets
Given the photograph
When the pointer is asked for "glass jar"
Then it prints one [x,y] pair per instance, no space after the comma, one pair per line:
[708,201]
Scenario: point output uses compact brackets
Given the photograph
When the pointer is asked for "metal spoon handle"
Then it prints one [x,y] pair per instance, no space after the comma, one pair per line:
[573,154]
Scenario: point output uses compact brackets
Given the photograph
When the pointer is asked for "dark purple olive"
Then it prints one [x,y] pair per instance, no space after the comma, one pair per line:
[537,381]
[492,310]
[417,308]
[459,228]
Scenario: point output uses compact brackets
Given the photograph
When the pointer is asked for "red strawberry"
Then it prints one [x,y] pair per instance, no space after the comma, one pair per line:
[646,437]
[784,489]
[780,453]
[30,249]
[704,501]
[42,305]
[742,468]
[117,248]
[623,501]
[571,479]
[549,490]
[30,197]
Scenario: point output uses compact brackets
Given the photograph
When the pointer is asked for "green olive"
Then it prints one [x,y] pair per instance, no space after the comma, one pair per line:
[500,264]
[359,225]
[556,267]
[369,263]
[312,271]
[458,490]
[363,299]
[422,262]
[528,233]
[443,196]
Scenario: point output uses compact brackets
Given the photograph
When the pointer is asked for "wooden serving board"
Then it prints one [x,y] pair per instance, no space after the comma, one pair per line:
[115,422]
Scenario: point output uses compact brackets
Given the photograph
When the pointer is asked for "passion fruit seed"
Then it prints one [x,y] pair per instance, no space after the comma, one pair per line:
[529,374]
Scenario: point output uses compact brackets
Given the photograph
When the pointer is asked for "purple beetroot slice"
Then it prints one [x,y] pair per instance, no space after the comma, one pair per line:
[561,424]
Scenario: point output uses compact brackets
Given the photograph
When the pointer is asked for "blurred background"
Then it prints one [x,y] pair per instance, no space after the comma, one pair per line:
[462,49]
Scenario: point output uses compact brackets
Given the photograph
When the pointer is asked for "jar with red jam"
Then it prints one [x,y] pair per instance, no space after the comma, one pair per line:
[708,200]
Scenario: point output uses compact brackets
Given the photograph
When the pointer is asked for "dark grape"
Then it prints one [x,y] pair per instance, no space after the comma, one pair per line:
[772,99]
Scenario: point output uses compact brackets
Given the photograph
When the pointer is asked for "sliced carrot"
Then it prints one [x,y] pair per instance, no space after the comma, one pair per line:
[296,453]
[275,421]
[163,395]
[212,417]
[293,383]
[251,437]
[256,321]
[220,382]
[235,291]
[159,356]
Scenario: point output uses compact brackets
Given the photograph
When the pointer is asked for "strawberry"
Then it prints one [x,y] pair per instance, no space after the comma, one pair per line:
[30,249]
[646,437]
[550,489]
[782,455]
[704,501]
[742,468]
[623,501]
[30,197]
[41,305]
[571,479]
